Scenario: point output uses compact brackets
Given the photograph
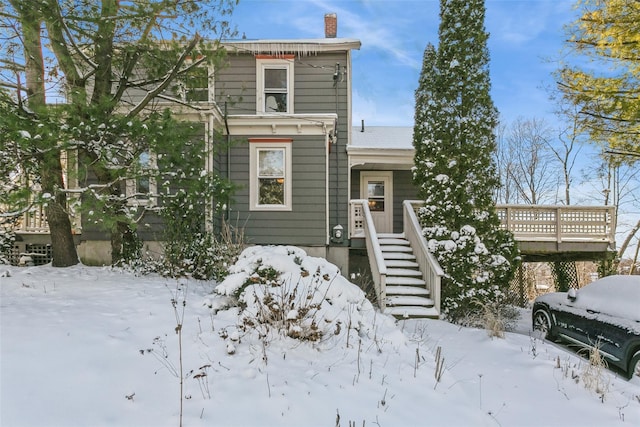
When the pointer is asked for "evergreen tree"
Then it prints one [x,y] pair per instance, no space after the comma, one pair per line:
[111,62]
[454,139]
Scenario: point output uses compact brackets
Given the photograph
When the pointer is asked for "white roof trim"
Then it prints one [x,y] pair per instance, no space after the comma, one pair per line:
[300,47]
[275,124]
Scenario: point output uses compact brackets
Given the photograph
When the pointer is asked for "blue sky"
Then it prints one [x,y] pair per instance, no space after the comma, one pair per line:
[525,35]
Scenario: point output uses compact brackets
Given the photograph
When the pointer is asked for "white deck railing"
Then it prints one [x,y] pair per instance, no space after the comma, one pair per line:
[34,221]
[541,223]
[367,230]
[432,273]
[559,223]
[362,227]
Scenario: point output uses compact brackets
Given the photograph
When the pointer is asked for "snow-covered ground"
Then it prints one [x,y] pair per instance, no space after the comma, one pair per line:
[88,346]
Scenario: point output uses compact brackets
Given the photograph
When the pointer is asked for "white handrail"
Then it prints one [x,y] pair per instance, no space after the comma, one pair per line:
[376,262]
[432,273]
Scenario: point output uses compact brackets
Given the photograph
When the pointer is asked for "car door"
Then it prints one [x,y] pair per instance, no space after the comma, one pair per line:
[608,336]
[573,324]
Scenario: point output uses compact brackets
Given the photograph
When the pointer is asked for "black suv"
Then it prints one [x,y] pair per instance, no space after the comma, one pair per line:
[605,315]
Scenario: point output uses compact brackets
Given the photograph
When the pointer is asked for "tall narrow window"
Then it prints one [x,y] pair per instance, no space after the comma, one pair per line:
[270,178]
[141,189]
[274,82]
[195,85]
[143,186]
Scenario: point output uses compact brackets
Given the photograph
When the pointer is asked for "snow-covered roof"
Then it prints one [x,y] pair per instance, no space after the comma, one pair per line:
[378,137]
[381,147]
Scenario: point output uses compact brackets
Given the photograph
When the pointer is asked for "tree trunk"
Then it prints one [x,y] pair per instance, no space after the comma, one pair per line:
[634,261]
[62,244]
[627,240]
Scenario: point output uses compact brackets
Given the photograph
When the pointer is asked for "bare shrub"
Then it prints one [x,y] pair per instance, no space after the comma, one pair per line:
[594,373]
[494,316]
[283,306]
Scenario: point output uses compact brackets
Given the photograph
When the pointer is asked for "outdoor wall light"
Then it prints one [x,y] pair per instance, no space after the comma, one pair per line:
[338,234]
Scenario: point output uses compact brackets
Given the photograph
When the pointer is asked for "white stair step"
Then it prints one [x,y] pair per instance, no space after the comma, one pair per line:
[400,263]
[409,312]
[390,235]
[398,255]
[409,300]
[407,290]
[389,241]
[403,272]
[409,281]
[395,248]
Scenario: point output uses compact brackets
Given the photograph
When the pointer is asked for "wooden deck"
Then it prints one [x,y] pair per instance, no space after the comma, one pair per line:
[548,233]
[571,233]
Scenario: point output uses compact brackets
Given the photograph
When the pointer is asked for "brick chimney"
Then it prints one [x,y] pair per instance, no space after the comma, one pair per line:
[330,25]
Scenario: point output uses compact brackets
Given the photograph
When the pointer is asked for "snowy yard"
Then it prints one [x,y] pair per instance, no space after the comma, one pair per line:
[88,346]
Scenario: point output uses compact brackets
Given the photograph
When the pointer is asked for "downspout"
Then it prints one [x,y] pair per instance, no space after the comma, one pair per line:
[327,192]
[336,78]
[228,155]
[209,211]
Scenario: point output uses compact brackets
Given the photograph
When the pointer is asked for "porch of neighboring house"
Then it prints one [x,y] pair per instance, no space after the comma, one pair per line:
[33,241]
[407,278]
[32,245]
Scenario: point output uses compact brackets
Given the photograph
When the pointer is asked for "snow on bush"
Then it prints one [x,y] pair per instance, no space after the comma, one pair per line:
[283,291]
[7,238]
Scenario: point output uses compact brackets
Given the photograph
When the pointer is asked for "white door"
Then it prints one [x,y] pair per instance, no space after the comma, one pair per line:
[377,188]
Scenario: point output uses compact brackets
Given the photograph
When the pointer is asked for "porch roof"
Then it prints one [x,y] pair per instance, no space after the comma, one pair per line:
[381,147]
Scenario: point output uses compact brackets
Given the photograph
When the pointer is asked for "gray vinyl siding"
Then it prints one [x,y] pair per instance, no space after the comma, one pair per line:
[151,226]
[403,189]
[305,223]
[314,92]
[235,84]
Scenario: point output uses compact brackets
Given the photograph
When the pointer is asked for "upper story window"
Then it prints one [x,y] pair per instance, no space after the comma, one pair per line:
[270,177]
[274,84]
[196,85]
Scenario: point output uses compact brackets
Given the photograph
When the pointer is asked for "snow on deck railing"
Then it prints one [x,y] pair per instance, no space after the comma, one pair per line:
[432,273]
[559,223]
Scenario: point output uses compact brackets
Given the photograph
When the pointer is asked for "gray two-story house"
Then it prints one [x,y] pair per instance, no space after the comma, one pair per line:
[304,175]
[287,112]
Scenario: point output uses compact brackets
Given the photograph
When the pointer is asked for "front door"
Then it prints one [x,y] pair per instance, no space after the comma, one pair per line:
[377,188]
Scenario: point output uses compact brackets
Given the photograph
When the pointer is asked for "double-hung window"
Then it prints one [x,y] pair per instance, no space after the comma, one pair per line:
[270,177]
[195,85]
[142,189]
[274,82]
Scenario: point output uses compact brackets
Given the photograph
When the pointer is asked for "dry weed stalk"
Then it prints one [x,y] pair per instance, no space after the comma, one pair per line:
[439,366]
[593,373]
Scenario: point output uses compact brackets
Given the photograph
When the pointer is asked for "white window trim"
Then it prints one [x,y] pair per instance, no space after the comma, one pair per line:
[254,146]
[131,186]
[261,66]
[181,88]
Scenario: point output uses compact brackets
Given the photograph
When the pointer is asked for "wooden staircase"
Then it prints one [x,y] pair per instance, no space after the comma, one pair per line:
[407,294]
